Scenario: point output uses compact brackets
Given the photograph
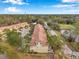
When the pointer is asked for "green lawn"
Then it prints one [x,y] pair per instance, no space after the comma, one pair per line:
[66,26]
[73,45]
[10,50]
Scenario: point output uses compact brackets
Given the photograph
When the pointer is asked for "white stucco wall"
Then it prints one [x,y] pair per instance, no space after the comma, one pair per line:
[39,48]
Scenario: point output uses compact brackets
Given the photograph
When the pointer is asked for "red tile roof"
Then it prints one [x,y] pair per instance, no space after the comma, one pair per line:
[39,35]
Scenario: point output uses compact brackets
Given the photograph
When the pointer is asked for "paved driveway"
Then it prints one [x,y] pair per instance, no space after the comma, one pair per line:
[3,56]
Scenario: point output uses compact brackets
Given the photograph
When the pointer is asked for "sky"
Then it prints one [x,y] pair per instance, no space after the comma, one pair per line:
[39,6]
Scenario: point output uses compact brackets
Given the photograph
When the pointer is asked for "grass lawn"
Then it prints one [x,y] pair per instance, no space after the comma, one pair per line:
[14,54]
[59,54]
[74,46]
[65,26]
[10,50]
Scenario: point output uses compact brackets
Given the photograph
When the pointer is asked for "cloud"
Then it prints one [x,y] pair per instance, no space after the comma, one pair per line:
[71,11]
[19,2]
[12,9]
[61,6]
[70,0]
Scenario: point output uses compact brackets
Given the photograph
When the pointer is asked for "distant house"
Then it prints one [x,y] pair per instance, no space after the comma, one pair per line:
[75,53]
[15,26]
[72,54]
[24,31]
[39,41]
[65,33]
[77,38]
[45,25]
[34,21]
[52,32]
[69,34]
[66,50]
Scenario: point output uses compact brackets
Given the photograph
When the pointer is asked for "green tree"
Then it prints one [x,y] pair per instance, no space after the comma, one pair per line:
[54,42]
[25,43]
[76,25]
[13,37]
[54,26]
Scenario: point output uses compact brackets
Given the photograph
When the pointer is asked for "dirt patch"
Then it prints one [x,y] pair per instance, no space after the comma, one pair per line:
[33,56]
